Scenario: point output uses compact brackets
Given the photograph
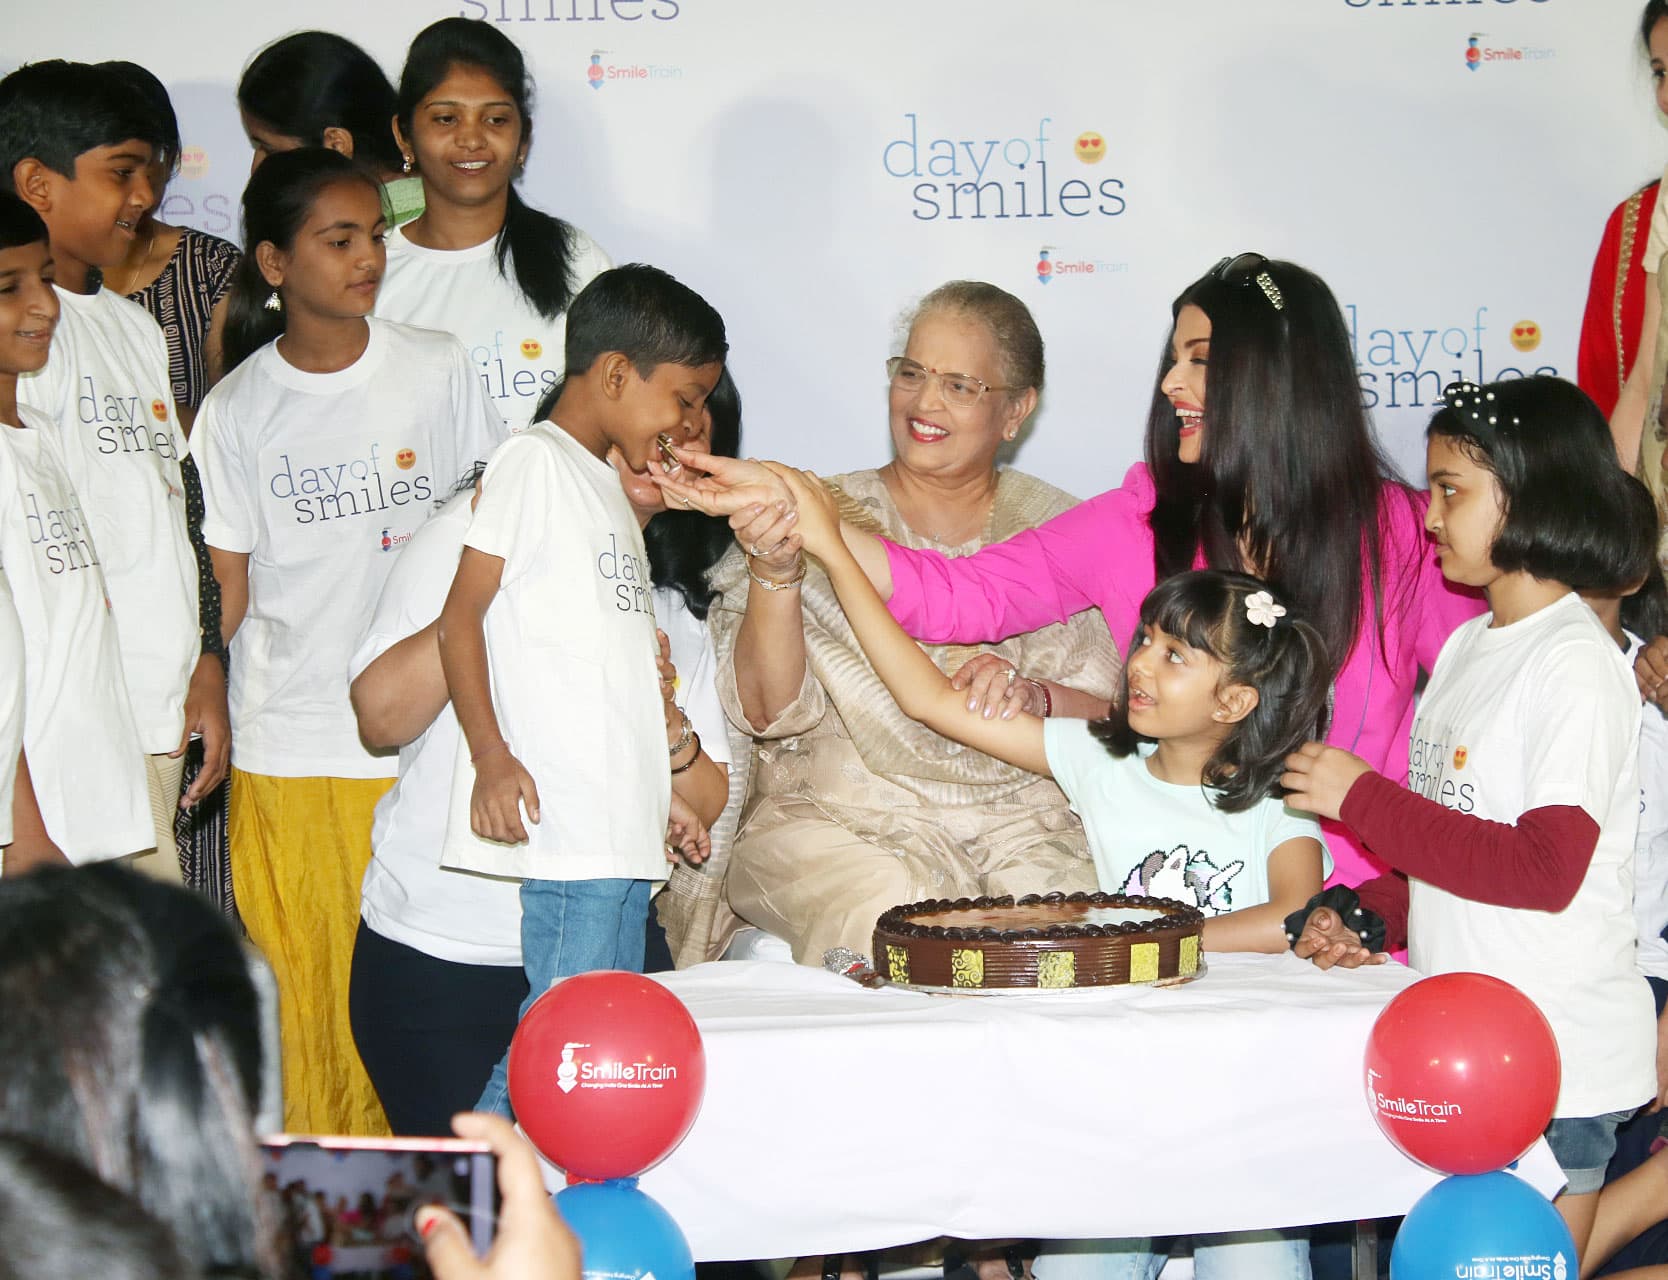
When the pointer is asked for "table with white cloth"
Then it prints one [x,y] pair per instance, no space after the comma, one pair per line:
[840,1118]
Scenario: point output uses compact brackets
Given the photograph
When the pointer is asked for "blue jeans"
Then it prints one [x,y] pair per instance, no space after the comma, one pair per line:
[1234,1255]
[569,927]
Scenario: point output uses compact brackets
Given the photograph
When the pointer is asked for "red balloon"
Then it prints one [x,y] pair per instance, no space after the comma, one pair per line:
[1462,1072]
[606,1074]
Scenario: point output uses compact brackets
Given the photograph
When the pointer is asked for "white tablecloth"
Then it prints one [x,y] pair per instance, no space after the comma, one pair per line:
[839,1118]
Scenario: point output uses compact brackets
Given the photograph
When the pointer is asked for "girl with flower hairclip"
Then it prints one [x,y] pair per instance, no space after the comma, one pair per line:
[1514,837]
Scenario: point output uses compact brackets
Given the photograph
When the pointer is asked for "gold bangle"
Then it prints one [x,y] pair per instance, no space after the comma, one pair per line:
[769,585]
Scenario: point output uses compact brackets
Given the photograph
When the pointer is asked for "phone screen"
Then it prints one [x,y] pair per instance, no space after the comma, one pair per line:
[348,1203]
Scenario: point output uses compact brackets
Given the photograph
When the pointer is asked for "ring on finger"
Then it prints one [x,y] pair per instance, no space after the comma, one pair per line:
[754,550]
[1013,675]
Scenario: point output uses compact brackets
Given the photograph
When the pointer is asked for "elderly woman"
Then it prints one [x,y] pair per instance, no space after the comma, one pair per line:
[854,807]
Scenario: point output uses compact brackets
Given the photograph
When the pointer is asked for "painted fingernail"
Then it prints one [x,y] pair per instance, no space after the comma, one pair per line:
[426,1223]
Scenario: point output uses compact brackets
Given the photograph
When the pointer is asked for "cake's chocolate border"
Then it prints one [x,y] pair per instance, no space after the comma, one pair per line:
[898,923]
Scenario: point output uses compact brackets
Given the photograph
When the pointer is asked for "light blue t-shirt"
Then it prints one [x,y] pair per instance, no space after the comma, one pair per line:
[1157,839]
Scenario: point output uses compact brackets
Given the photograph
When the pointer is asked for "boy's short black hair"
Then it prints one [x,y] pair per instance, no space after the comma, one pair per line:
[643,313]
[1572,515]
[56,111]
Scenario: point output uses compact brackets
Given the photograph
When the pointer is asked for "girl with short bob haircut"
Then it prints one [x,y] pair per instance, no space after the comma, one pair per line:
[479,261]
[1515,832]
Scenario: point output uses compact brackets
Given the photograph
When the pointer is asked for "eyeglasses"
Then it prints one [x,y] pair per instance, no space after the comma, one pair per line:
[1248,269]
[962,390]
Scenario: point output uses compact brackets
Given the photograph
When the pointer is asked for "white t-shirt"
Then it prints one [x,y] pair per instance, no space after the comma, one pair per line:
[571,645]
[321,478]
[517,353]
[1544,712]
[408,896]
[107,393]
[85,760]
[11,703]
[1152,838]
[1650,846]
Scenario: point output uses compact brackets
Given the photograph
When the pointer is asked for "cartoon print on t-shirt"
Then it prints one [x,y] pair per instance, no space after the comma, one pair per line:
[1183,874]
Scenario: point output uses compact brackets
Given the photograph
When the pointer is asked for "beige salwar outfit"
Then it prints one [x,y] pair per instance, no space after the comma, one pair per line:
[853,806]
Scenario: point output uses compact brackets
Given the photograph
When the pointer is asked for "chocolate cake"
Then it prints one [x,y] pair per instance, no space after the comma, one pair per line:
[1052,941]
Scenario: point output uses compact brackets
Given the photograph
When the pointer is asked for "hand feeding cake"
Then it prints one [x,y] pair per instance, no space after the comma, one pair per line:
[1053,941]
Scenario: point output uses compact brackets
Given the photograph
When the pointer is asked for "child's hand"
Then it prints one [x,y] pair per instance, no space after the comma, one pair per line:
[1328,941]
[686,835]
[502,787]
[819,514]
[1318,777]
[1650,670]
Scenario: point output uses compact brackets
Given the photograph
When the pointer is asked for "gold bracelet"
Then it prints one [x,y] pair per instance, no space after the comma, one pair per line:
[768,585]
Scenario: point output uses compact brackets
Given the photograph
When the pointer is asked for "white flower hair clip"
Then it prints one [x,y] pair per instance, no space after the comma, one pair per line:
[1261,611]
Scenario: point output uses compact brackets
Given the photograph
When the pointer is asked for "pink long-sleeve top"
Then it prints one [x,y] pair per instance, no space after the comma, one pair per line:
[1100,553]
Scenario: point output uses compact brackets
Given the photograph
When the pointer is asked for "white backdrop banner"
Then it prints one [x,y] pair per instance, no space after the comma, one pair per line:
[813,165]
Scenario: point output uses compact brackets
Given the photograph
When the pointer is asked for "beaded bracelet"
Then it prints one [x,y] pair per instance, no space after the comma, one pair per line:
[768,585]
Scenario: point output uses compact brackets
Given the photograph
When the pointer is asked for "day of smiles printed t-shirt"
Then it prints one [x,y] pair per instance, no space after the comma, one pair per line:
[1157,839]
[571,649]
[321,478]
[1538,713]
[85,761]
[408,896]
[516,352]
[107,391]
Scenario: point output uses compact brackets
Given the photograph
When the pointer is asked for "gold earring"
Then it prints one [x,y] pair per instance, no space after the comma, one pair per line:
[406,167]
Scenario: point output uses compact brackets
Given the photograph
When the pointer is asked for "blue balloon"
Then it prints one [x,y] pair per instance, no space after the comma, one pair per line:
[624,1234]
[1483,1225]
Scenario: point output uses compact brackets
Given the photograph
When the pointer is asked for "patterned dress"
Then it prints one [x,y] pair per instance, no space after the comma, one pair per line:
[182,300]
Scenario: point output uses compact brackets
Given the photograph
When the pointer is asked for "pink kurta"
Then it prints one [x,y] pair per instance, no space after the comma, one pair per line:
[1100,553]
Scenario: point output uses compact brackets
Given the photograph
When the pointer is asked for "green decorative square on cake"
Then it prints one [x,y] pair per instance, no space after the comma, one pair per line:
[1189,962]
[1143,962]
[897,963]
[967,968]
[1057,969]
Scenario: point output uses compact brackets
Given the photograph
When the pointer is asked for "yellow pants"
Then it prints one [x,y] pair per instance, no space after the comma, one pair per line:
[299,847]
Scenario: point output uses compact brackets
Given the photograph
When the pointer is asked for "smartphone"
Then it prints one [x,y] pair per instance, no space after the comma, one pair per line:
[357,1196]
[670,459]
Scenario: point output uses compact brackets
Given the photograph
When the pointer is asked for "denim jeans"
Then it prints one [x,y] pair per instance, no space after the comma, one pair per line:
[569,927]
[1234,1255]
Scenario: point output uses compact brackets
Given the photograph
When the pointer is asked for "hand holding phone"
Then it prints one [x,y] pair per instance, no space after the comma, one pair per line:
[532,1238]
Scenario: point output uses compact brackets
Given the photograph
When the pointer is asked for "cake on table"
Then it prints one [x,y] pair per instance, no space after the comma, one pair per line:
[1052,941]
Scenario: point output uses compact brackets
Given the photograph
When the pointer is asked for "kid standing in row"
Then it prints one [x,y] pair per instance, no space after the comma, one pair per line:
[78,727]
[75,145]
[323,449]
[568,731]
[1516,830]
[479,262]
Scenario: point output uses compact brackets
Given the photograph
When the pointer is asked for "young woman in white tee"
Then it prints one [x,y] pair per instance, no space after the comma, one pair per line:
[478,261]
[1516,829]
[322,452]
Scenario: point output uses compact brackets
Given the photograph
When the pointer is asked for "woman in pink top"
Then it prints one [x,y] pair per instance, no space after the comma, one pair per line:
[1259,457]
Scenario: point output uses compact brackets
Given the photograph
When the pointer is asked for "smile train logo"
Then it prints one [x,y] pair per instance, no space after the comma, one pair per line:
[1473,54]
[594,75]
[567,1073]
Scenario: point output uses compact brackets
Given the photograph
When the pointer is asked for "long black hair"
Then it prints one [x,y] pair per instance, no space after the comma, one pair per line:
[130,1030]
[537,247]
[1291,478]
[1286,664]
[683,546]
[1570,514]
[276,205]
[316,80]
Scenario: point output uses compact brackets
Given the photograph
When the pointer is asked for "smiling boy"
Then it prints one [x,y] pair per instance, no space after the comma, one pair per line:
[75,143]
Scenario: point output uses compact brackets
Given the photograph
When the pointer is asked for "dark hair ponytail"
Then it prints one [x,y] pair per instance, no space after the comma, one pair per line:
[536,246]
[683,546]
[276,204]
[1286,664]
